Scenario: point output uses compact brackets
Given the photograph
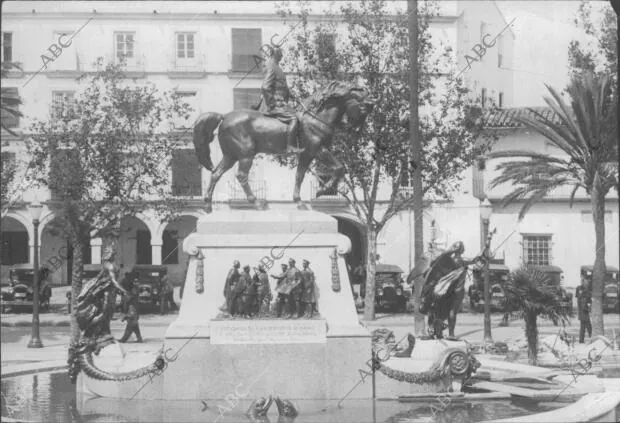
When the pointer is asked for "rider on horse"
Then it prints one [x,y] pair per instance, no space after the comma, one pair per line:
[276,95]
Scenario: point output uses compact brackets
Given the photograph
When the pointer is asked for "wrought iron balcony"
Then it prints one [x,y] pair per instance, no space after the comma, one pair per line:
[332,195]
[187,68]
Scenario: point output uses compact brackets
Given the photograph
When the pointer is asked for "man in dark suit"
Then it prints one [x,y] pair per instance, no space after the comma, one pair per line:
[584,305]
[131,316]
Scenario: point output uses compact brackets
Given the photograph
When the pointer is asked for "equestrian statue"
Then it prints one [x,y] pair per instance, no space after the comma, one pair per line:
[278,129]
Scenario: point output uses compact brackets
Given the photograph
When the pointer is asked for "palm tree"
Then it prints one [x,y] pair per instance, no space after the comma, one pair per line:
[587,133]
[533,294]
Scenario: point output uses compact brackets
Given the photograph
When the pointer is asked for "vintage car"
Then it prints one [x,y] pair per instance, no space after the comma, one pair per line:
[498,273]
[19,293]
[556,275]
[611,288]
[148,282]
[391,291]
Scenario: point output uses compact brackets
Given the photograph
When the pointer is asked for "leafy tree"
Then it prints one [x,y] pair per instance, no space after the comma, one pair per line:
[586,131]
[373,51]
[599,53]
[532,294]
[105,156]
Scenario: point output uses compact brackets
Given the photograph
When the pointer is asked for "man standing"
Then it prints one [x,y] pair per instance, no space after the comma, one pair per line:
[293,280]
[131,316]
[239,294]
[584,305]
[308,297]
[250,292]
[275,99]
[280,289]
[231,280]
[263,291]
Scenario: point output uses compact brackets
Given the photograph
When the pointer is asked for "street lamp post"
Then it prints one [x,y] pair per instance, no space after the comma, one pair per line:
[485,213]
[35,340]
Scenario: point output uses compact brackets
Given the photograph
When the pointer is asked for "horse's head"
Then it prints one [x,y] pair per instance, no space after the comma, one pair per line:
[354,101]
[358,105]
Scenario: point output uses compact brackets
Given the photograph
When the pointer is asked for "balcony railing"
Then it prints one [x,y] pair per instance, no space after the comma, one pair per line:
[187,68]
[315,186]
[405,192]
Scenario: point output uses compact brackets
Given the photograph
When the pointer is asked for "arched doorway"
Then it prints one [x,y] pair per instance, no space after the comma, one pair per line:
[134,243]
[172,254]
[15,247]
[56,253]
[350,227]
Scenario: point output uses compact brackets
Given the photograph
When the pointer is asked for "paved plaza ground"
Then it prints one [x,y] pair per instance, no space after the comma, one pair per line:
[16,330]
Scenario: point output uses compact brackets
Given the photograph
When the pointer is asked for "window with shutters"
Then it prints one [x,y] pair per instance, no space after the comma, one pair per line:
[9,119]
[14,247]
[7,47]
[245,98]
[185,45]
[143,247]
[246,43]
[170,248]
[186,174]
[62,104]
[537,250]
[124,45]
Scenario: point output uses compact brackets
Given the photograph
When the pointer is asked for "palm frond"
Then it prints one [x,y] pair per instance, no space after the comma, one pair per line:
[530,290]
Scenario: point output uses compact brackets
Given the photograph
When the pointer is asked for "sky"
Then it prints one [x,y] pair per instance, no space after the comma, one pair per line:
[543,31]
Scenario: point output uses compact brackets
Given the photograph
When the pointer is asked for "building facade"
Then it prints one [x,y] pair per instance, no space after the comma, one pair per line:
[204,52]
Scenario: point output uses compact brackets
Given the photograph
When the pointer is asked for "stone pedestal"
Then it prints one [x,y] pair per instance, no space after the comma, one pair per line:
[296,358]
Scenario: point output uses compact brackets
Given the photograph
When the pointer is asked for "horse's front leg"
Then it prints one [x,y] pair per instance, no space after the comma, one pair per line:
[305,159]
[329,160]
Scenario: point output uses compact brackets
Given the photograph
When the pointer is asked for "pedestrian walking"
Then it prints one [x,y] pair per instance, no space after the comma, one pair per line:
[132,317]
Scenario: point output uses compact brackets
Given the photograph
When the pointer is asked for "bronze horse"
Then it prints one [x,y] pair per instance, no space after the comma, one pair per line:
[245,133]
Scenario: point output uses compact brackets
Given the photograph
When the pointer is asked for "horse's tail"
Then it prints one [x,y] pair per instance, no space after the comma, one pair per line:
[204,132]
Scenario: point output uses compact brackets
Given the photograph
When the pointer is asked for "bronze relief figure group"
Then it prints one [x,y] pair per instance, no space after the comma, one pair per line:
[249,296]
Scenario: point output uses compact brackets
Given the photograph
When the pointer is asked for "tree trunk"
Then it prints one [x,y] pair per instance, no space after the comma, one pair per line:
[531,332]
[77,266]
[418,283]
[598,273]
[371,270]
[416,156]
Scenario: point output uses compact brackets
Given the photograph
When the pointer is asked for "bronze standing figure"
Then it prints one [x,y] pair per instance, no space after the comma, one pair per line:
[280,289]
[308,297]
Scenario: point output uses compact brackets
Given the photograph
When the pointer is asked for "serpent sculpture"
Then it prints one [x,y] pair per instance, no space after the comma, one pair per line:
[93,311]
[454,362]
